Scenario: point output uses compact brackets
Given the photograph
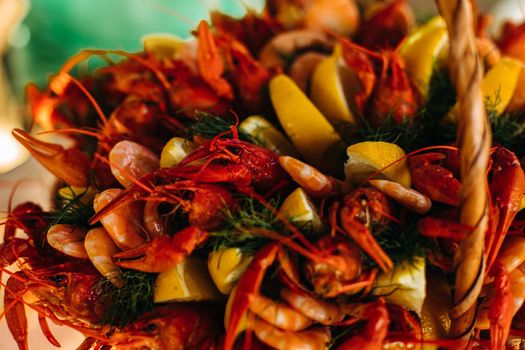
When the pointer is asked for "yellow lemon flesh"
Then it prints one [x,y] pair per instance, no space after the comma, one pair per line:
[188,281]
[85,194]
[404,285]
[499,83]
[366,158]
[226,266]
[300,209]
[421,51]
[310,132]
[174,151]
[162,45]
[435,322]
[498,86]
[268,135]
[327,91]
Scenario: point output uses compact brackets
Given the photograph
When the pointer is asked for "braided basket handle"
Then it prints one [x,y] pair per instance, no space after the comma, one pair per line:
[474,141]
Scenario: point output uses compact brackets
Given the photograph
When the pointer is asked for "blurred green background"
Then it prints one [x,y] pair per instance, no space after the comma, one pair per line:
[53,30]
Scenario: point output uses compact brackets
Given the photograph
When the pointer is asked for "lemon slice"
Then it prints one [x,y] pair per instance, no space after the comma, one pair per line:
[162,45]
[327,91]
[435,321]
[498,85]
[85,194]
[422,49]
[188,281]
[310,132]
[174,151]
[300,209]
[226,266]
[404,285]
[268,135]
[500,82]
[366,158]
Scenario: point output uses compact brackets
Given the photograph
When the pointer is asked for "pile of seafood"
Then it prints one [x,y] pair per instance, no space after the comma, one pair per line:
[290,179]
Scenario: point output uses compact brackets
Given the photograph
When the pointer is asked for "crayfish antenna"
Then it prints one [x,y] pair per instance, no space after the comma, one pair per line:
[70,165]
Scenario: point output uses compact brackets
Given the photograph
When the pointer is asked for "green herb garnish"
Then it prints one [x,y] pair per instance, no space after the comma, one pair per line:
[126,304]
[209,126]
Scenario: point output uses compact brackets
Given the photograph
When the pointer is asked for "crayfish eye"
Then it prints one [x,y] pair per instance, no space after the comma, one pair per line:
[235,150]
[58,280]
[150,327]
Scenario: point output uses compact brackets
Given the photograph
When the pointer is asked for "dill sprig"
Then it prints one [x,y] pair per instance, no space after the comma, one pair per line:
[126,304]
[71,210]
[507,131]
[209,126]
[402,242]
[240,223]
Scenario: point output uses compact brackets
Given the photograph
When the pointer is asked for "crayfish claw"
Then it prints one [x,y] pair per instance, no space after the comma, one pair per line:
[70,165]
[162,253]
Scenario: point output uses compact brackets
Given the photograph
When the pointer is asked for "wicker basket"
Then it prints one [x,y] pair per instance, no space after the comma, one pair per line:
[474,142]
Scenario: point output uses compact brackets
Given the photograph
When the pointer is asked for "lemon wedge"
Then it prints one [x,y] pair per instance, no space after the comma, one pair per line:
[310,132]
[302,212]
[188,281]
[435,322]
[162,45]
[498,86]
[85,194]
[268,135]
[404,285]
[500,82]
[422,49]
[366,158]
[226,266]
[175,150]
[327,91]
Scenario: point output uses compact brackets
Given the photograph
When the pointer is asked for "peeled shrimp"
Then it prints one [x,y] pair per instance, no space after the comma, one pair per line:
[407,197]
[278,314]
[315,339]
[100,248]
[130,160]
[123,223]
[68,239]
[315,309]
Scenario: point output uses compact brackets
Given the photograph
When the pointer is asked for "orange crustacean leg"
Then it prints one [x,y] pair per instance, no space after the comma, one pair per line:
[363,237]
[15,313]
[163,252]
[249,284]
[506,188]
[70,165]
[375,331]
[500,308]
[210,62]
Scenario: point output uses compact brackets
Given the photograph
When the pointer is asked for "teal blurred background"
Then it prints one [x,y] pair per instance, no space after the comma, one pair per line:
[53,30]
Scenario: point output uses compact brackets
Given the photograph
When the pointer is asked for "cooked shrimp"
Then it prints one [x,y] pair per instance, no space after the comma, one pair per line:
[315,338]
[339,16]
[276,53]
[100,248]
[153,222]
[130,160]
[278,314]
[313,181]
[302,68]
[407,197]
[68,239]
[320,311]
[123,223]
